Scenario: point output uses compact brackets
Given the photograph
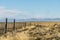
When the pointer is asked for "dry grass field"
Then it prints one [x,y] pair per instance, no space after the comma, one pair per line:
[31,31]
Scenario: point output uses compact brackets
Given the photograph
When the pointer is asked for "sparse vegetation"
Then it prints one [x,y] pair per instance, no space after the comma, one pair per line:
[38,31]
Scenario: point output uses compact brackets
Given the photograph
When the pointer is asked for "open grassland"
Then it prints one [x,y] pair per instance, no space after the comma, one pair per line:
[31,31]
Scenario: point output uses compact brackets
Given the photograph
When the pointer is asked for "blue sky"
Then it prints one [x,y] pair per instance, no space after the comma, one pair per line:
[21,9]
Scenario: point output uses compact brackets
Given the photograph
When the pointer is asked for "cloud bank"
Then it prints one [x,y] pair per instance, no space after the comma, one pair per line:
[18,14]
[13,13]
[9,13]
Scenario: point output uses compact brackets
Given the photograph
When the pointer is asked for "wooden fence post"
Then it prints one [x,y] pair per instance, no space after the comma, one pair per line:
[14,28]
[5,27]
[14,25]
[30,23]
[25,25]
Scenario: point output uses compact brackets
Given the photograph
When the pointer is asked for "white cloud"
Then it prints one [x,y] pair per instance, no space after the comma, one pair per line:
[9,13]
[14,13]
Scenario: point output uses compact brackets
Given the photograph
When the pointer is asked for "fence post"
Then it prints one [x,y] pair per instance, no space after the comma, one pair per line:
[14,25]
[13,32]
[25,25]
[30,23]
[5,27]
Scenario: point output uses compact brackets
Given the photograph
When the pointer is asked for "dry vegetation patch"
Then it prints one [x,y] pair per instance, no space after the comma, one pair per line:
[40,31]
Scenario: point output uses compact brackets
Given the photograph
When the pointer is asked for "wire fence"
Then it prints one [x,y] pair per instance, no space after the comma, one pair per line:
[12,26]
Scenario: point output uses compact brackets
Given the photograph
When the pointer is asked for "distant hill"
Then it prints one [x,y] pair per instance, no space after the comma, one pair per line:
[32,19]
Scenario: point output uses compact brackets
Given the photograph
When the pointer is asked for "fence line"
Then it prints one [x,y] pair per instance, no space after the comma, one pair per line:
[22,24]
